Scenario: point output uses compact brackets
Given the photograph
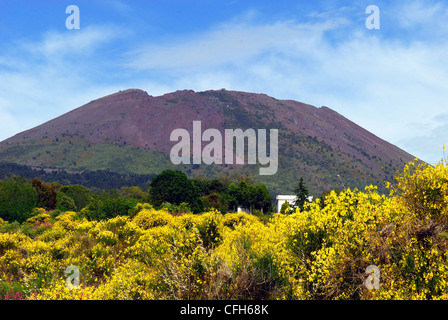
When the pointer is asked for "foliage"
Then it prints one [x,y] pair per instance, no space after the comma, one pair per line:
[80,195]
[209,186]
[321,252]
[65,203]
[302,194]
[108,205]
[149,218]
[214,200]
[180,209]
[173,186]
[46,194]
[17,199]
[262,198]
[94,179]
[247,195]
[285,208]
[134,192]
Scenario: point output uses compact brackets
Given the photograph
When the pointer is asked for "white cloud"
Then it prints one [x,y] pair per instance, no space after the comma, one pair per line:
[40,80]
[419,13]
[8,121]
[81,42]
[429,138]
[229,44]
[381,83]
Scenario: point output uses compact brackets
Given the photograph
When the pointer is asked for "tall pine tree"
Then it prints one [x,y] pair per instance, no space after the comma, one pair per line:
[301,192]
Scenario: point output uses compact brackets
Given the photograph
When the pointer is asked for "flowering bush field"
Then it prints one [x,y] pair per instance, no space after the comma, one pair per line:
[321,252]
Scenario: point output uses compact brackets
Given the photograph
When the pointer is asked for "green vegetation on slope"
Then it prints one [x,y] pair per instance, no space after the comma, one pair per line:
[299,156]
[322,252]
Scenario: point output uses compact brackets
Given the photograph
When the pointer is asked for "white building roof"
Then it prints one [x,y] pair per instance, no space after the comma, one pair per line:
[285,197]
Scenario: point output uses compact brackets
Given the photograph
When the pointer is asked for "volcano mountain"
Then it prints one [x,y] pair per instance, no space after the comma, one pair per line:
[129,132]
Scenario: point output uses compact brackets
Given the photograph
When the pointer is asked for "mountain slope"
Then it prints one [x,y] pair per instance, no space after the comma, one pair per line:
[129,132]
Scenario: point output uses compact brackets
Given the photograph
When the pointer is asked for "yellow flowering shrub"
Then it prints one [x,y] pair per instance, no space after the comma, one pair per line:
[41,217]
[233,219]
[208,227]
[57,290]
[130,281]
[321,252]
[148,218]
[424,190]
[250,257]
[67,220]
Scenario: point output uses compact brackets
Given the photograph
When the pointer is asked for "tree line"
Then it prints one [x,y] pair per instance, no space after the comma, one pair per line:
[96,180]
[202,194]
[171,189]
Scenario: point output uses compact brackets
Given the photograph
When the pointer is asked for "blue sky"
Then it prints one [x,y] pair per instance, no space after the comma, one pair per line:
[392,81]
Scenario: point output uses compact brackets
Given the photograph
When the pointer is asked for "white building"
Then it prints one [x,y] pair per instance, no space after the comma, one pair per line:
[240,209]
[281,198]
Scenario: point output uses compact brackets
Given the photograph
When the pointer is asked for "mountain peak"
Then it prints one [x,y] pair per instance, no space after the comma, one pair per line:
[126,94]
[129,131]
[132,92]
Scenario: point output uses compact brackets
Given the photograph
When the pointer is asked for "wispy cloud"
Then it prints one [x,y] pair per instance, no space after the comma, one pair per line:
[233,44]
[429,137]
[44,78]
[418,14]
[84,42]
[370,78]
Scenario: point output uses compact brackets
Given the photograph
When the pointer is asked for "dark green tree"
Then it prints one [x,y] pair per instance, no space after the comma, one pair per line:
[232,197]
[218,201]
[108,205]
[65,203]
[209,186]
[17,199]
[245,195]
[262,198]
[213,193]
[302,194]
[173,186]
[81,195]
[134,192]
